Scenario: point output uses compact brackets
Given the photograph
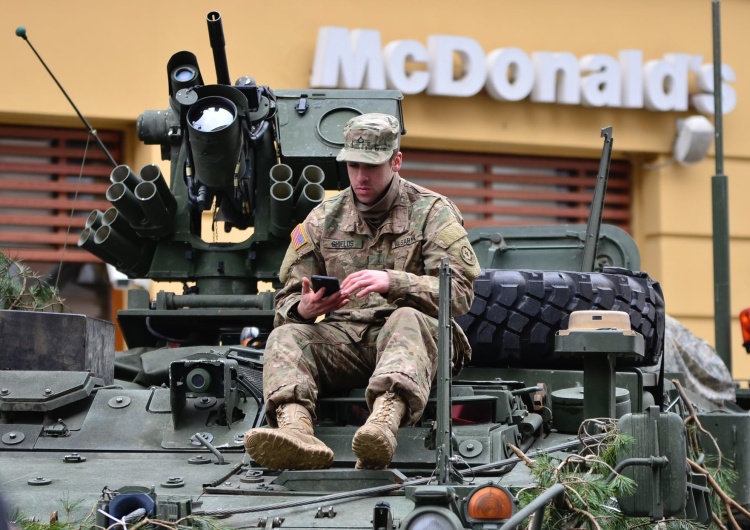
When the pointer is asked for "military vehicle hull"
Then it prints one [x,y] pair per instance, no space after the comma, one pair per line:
[567,342]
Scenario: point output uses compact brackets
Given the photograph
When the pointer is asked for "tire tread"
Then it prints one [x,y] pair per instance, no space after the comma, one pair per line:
[516,313]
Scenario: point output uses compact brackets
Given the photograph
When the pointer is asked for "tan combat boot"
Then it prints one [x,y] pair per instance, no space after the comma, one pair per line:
[292,445]
[375,442]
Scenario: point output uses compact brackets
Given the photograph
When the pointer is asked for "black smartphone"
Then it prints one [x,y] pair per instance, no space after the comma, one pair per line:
[329,282]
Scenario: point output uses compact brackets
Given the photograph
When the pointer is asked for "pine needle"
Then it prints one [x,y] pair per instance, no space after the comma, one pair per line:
[22,289]
[590,501]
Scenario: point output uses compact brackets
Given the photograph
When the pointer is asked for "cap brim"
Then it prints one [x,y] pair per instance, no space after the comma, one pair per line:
[363,157]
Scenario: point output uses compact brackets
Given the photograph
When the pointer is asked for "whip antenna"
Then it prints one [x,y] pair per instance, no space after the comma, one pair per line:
[21,32]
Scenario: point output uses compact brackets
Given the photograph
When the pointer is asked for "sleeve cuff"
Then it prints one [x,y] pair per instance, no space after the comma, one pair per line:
[294,316]
[398,285]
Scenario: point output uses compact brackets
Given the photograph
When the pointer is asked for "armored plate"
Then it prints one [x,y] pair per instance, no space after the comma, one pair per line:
[554,247]
[311,123]
[27,390]
[57,341]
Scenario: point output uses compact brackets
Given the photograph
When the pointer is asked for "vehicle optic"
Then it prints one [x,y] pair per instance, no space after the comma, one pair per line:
[212,114]
[184,74]
[198,380]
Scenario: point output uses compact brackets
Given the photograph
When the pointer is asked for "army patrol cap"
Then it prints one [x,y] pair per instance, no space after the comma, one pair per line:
[370,139]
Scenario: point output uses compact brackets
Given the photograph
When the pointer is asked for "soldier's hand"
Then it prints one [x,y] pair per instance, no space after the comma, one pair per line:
[367,281]
[313,304]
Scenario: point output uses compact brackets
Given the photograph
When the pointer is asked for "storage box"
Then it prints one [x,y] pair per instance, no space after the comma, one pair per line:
[31,340]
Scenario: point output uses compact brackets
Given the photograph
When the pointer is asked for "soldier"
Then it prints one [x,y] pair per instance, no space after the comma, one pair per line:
[384,238]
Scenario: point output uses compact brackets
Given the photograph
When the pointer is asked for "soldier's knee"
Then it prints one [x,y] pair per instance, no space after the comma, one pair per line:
[285,337]
[294,330]
[412,318]
[406,312]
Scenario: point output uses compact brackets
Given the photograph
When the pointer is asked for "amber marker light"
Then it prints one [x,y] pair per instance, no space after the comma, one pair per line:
[490,502]
[745,325]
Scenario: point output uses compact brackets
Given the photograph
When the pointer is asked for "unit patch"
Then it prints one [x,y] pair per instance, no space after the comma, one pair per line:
[449,234]
[467,255]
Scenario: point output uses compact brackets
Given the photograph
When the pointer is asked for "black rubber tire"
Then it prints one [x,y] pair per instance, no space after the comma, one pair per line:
[516,313]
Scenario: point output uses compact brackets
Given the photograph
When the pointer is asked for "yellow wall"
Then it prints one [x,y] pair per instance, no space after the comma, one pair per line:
[111,57]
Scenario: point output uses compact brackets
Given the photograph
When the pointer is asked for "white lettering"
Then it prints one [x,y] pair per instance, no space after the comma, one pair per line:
[666,83]
[348,59]
[631,69]
[601,87]
[510,74]
[557,78]
[457,66]
[396,54]
[473,70]
[704,101]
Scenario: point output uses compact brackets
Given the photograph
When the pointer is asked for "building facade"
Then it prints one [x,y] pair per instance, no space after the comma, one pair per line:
[497,94]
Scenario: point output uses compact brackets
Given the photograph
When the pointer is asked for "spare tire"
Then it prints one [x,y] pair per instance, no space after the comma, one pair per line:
[516,313]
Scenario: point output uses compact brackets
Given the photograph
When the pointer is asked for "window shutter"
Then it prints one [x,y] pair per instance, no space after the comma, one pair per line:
[39,178]
[497,190]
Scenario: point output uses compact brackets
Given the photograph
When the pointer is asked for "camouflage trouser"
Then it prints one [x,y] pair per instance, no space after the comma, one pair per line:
[302,360]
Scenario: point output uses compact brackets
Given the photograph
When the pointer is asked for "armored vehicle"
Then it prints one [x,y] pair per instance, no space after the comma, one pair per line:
[563,412]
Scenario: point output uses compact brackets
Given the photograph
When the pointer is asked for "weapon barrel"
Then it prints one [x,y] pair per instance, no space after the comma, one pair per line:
[282,203]
[280,173]
[115,219]
[310,175]
[152,173]
[124,251]
[123,199]
[94,220]
[311,196]
[152,205]
[86,241]
[126,176]
[314,174]
[216,38]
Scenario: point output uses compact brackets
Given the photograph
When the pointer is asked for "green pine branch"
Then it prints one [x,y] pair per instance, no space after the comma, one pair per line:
[590,498]
[24,290]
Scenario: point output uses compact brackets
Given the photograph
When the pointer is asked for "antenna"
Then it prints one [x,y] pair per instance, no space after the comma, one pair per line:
[444,435]
[21,32]
[597,204]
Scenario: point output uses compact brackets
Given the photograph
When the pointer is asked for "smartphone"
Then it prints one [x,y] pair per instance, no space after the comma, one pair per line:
[329,282]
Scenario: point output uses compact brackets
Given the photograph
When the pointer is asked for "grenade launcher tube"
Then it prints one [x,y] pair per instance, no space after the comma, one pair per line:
[281,208]
[124,200]
[310,175]
[86,241]
[311,196]
[152,173]
[118,223]
[153,207]
[125,175]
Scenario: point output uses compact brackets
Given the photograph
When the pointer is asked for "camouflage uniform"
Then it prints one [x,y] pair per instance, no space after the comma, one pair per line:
[384,342]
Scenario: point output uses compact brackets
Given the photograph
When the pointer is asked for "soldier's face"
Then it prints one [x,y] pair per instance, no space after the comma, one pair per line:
[369,182]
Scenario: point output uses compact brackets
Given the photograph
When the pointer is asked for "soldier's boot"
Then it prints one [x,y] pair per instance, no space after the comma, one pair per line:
[375,442]
[292,445]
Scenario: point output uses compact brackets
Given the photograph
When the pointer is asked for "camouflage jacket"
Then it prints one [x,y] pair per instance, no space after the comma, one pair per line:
[421,228]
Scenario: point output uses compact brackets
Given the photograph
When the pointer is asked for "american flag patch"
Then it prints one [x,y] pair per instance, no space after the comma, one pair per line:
[298,237]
